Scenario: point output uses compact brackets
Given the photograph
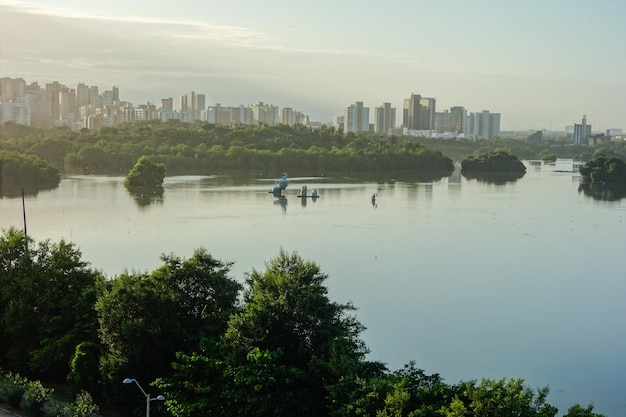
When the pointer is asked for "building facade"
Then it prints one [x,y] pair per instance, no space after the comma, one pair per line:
[356,118]
[384,119]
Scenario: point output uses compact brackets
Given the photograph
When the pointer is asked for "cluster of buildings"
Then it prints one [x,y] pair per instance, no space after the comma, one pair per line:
[420,118]
[580,133]
[87,107]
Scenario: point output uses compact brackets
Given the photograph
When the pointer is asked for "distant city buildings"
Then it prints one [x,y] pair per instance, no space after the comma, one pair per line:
[85,106]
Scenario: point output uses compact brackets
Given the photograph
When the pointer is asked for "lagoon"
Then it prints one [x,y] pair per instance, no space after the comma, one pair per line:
[467,278]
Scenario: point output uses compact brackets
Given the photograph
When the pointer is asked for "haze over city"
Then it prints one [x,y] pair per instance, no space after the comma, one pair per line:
[542,65]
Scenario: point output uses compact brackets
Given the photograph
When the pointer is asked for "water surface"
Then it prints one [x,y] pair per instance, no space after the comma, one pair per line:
[467,278]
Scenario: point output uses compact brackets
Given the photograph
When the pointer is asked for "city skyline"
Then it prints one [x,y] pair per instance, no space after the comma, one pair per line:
[540,65]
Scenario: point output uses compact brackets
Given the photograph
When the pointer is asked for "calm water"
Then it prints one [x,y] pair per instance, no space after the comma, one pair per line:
[468,279]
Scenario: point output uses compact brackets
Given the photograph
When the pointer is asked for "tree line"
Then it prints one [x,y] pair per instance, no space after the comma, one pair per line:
[274,344]
[203,147]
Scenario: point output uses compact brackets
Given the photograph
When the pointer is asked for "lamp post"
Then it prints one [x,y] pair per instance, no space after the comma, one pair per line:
[148,399]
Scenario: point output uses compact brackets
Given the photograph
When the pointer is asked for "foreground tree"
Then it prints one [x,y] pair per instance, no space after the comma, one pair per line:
[504,397]
[578,411]
[47,298]
[146,318]
[284,354]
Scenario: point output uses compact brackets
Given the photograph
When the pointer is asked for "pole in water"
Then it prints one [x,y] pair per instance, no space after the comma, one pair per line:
[24,212]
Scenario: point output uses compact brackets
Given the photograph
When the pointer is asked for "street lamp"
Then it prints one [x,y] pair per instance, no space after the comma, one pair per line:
[148,399]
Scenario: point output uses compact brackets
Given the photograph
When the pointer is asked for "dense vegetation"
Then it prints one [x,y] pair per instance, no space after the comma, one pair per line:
[604,170]
[603,178]
[496,166]
[28,172]
[203,147]
[273,345]
[145,173]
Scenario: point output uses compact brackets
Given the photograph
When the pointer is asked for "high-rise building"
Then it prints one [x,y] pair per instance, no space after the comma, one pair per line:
[37,99]
[191,106]
[263,113]
[356,118]
[287,116]
[199,104]
[15,112]
[53,89]
[443,122]
[582,132]
[12,90]
[384,118]
[458,119]
[419,113]
[427,114]
[167,104]
[93,96]
[67,103]
[483,125]
[82,95]
[116,94]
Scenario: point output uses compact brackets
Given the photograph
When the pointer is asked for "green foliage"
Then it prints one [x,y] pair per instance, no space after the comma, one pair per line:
[495,166]
[35,397]
[604,170]
[146,318]
[578,411]
[285,353]
[494,161]
[145,173]
[203,147]
[12,388]
[84,366]
[504,397]
[28,172]
[547,156]
[279,347]
[47,298]
[83,406]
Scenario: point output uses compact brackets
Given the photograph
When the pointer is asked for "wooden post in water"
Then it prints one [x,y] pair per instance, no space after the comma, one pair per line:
[24,213]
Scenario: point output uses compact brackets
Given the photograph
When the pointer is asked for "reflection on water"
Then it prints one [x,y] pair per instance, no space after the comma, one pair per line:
[282,202]
[603,192]
[498,178]
[145,197]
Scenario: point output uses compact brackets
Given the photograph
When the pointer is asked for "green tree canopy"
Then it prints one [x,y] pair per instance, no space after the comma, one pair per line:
[604,170]
[47,299]
[145,173]
[146,318]
[495,398]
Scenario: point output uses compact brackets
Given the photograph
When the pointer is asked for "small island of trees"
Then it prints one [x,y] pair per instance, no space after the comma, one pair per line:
[603,178]
[602,170]
[145,174]
[495,166]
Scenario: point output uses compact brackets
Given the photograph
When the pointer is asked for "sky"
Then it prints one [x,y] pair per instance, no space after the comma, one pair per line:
[541,64]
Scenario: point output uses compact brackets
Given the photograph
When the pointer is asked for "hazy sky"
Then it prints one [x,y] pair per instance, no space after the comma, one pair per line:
[540,63]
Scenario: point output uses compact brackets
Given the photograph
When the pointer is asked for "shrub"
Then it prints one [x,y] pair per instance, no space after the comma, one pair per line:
[13,388]
[83,406]
[35,397]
